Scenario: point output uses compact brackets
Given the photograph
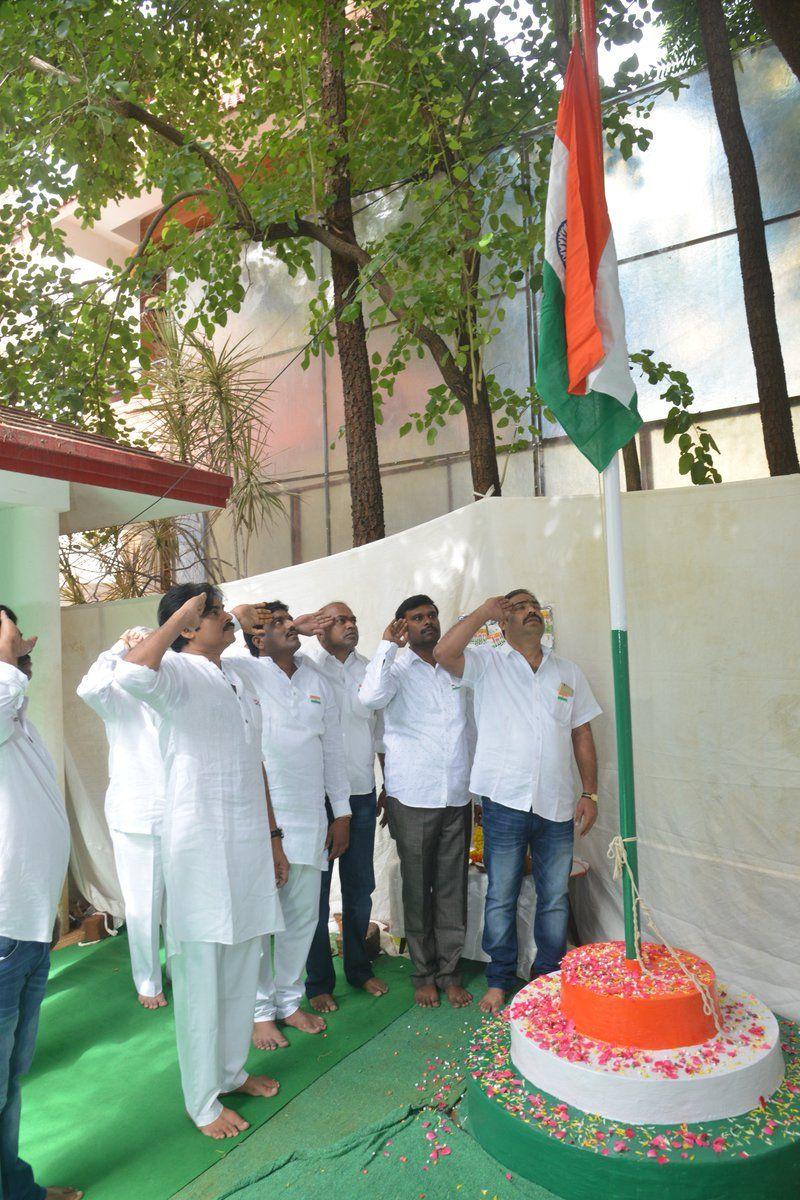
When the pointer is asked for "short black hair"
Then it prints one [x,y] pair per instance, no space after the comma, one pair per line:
[413,602]
[273,606]
[176,597]
[520,592]
[9,613]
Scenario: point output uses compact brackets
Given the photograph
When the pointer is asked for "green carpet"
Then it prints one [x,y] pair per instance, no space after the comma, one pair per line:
[102,1108]
[412,1154]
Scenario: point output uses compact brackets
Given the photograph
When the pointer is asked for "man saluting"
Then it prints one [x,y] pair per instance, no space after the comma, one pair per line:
[221,857]
[532,709]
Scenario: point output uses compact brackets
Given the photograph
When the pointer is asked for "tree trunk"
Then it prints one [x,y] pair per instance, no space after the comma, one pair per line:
[482,450]
[759,296]
[473,393]
[633,472]
[366,496]
[782,21]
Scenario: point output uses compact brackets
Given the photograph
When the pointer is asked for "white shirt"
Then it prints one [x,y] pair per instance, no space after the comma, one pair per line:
[135,794]
[34,832]
[427,721]
[215,841]
[362,727]
[303,751]
[525,719]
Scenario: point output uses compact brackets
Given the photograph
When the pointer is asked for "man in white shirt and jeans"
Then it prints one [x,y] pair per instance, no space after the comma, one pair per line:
[221,847]
[426,736]
[34,852]
[336,658]
[532,709]
[134,810]
[303,753]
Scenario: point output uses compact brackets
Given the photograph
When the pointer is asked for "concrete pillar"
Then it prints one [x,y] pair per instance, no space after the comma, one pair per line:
[29,585]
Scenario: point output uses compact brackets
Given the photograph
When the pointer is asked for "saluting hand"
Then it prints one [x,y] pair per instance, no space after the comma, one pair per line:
[397,632]
[496,608]
[190,614]
[313,623]
[251,616]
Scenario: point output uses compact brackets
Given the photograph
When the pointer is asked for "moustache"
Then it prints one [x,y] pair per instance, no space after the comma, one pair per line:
[533,617]
[228,625]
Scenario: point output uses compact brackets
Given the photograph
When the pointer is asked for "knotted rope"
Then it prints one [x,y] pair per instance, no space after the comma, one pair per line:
[619,856]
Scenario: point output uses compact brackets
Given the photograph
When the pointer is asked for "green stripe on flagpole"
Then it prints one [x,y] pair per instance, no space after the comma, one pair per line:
[627,805]
[598,424]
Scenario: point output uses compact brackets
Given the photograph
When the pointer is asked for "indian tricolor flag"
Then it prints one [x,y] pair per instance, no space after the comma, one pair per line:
[583,375]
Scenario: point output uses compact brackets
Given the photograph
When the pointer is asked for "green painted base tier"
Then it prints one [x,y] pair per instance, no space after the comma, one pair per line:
[579,1156]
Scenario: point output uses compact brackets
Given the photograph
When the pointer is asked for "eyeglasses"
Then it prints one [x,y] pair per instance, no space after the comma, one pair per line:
[521,605]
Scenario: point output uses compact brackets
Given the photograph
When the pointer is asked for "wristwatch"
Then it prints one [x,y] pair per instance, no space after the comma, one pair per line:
[277,832]
[589,796]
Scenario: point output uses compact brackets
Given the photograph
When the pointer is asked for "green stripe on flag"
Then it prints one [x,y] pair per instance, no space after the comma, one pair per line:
[598,424]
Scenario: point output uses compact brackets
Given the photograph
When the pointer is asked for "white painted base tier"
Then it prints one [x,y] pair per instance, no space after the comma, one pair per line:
[724,1077]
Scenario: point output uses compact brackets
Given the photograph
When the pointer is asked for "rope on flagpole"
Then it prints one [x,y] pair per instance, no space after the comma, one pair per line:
[619,856]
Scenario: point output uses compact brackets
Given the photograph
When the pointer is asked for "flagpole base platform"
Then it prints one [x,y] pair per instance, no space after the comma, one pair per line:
[577,1154]
[722,1077]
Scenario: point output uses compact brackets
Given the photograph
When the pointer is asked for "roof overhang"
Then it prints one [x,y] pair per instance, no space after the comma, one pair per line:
[108,483]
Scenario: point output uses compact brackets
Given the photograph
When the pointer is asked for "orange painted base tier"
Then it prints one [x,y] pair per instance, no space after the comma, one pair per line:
[611,999]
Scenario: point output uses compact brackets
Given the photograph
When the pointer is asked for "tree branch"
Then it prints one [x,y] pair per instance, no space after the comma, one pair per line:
[135,112]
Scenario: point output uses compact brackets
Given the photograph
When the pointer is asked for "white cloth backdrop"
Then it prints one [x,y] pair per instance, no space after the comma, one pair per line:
[713,577]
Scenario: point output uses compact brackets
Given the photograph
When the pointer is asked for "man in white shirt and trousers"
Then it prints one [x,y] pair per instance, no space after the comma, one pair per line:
[336,658]
[427,741]
[34,853]
[304,757]
[532,709]
[220,845]
[134,809]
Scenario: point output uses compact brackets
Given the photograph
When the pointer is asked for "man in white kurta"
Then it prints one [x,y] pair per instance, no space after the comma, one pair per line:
[304,757]
[134,809]
[219,840]
[34,852]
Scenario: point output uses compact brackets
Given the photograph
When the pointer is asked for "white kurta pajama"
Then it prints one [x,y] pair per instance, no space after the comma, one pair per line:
[134,808]
[218,866]
[304,758]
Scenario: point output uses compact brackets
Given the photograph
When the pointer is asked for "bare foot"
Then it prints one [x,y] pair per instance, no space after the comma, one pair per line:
[323,1003]
[375,987]
[493,1001]
[159,1001]
[267,1036]
[227,1125]
[427,996]
[62,1193]
[305,1022]
[458,996]
[259,1085]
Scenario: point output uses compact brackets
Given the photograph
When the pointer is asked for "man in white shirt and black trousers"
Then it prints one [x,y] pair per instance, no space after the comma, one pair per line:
[336,658]
[34,852]
[303,753]
[427,742]
[134,810]
[532,709]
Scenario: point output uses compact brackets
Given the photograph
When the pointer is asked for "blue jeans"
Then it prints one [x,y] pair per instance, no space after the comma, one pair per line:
[507,834]
[357,876]
[23,977]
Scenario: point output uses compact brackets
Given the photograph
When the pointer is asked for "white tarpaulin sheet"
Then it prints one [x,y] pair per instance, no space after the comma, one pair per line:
[713,577]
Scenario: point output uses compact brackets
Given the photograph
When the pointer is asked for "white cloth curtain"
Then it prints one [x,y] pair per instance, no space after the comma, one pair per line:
[712,600]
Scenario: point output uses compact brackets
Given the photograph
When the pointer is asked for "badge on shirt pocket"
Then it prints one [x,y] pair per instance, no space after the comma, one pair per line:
[314,699]
[565,692]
